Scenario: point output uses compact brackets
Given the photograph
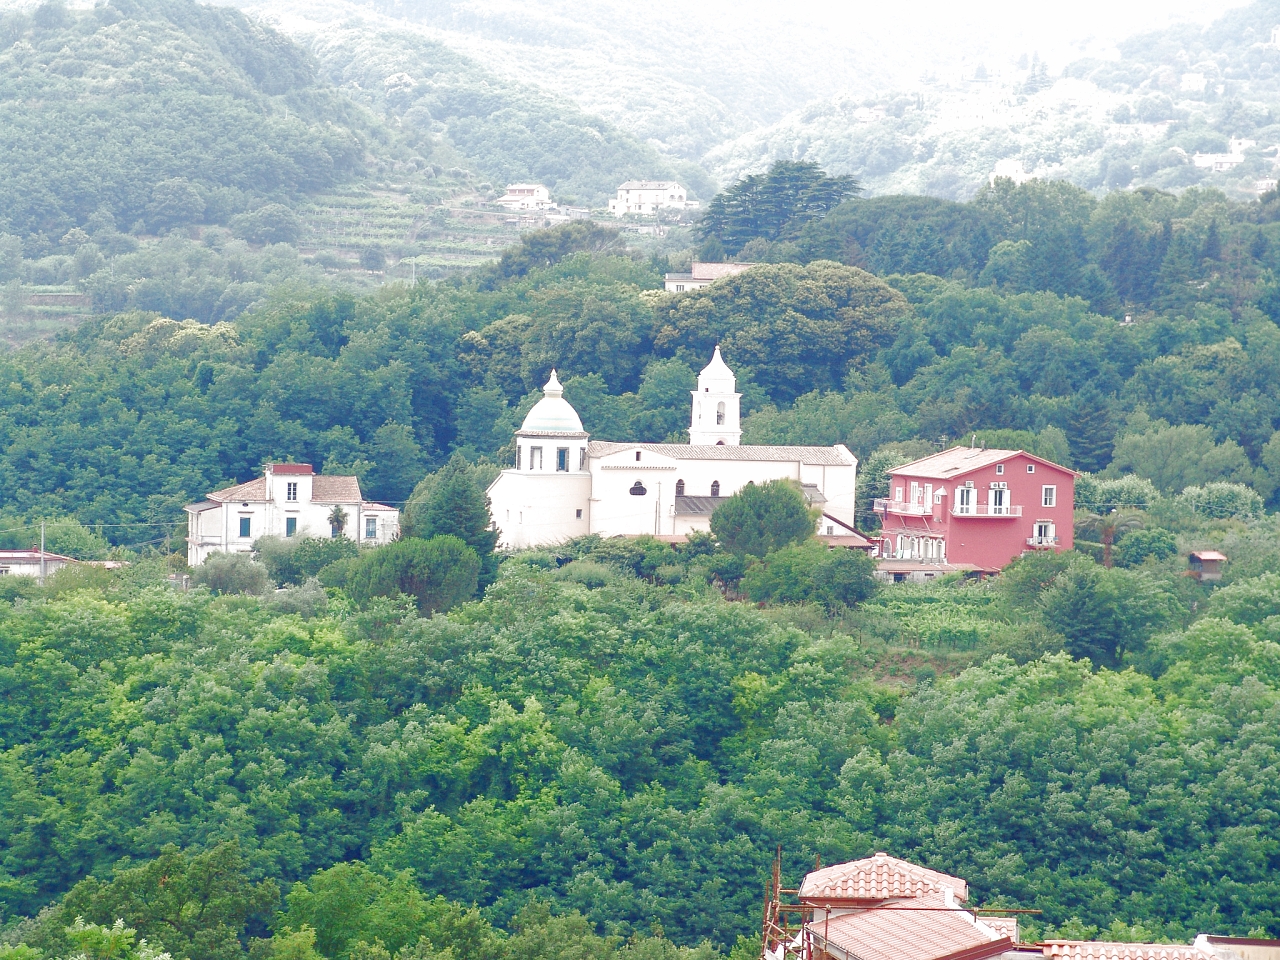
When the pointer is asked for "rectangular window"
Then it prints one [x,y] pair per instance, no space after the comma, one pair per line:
[999,469]
[562,459]
[245,523]
[291,491]
[928,493]
[582,458]
[915,492]
[1049,496]
[371,528]
[1044,531]
[290,526]
[579,515]
[999,501]
[897,494]
[535,458]
[964,499]
[519,457]
[1031,468]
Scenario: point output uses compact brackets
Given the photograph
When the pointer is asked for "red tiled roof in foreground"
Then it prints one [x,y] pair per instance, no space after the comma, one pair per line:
[880,877]
[1099,950]
[904,931]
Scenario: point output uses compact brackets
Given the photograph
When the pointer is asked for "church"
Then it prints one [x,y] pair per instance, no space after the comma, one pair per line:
[566,485]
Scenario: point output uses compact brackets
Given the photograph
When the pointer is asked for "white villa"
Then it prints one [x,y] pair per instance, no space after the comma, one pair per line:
[647,197]
[288,500]
[526,196]
[701,275]
[565,485]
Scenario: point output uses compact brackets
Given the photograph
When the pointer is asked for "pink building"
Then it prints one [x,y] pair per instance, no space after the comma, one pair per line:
[972,509]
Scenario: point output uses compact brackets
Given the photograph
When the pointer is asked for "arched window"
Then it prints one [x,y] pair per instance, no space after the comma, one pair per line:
[715,488]
[720,413]
[679,488]
[637,489]
[719,443]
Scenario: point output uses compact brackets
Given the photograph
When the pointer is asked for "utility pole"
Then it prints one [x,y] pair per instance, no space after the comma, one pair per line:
[42,560]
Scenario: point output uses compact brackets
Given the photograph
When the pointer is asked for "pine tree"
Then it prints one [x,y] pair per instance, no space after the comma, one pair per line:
[458,507]
[1090,432]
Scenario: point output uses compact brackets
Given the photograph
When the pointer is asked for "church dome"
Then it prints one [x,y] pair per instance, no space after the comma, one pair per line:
[553,413]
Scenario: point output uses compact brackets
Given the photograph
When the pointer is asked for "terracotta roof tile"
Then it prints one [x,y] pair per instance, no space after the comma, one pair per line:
[253,490]
[878,878]
[336,489]
[958,461]
[1099,950]
[899,932]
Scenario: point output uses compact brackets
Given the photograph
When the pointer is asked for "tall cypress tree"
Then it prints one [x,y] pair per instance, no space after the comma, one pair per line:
[458,507]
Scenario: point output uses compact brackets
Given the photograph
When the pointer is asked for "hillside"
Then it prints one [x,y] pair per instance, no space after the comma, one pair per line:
[1101,123]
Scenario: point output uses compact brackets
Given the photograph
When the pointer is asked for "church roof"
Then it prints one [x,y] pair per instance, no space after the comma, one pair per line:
[553,414]
[828,456]
[717,369]
[880,877]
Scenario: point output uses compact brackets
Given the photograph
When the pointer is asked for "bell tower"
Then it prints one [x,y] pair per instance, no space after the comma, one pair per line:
[714,418]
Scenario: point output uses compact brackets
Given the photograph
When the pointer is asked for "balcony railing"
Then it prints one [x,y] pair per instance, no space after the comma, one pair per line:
[897,506]
[1042,541]
[985,510]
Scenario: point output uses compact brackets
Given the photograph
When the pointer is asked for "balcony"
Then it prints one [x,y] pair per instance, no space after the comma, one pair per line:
[897,506]
[1042,543]
[986,510]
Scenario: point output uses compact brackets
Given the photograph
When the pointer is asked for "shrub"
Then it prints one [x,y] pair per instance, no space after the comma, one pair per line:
[272,223]
[295,560]
[233,573]
[812,572]
[438,574]
[1136,546]
[759,519]
[1221,501]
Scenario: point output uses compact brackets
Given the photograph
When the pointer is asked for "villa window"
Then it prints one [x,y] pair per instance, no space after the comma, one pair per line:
[519,457]
[715,488]
[562,459]
[290,526]
[371,528]
[999,469]
[679,488]
[535,458]
[1031,468]
[582,458]
[1049,496]
[998,501]
[964,499]
[720,414]
[291,491]
[245,525]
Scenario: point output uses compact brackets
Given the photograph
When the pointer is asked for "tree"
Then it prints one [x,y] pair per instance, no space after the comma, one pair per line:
[174,203]
[775,205]
[337,520]
[812,572]
[397,463]
[373,258]
[437,574]
[458,507]
[270,223]
[1109,527]
[233,573]
[759,519]
[1105,613]
[197,905]
[1137,545]
[1175,457]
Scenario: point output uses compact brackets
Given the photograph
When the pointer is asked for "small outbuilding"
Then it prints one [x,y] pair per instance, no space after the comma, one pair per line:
[1206,565]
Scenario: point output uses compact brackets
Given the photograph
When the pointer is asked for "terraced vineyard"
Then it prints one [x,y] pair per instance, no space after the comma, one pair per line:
[30,312]
[419,236]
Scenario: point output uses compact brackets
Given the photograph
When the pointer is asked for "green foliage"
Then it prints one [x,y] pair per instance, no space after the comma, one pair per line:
[295,560]
[811,572]
[1105,614]
[761,518]
[1221,501]
[775,205]
[457,506]
[436,574]
[1177,457]
[1135,547]
[225,573]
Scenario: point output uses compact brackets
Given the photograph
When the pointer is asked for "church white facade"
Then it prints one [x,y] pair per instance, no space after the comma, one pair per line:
[565,485]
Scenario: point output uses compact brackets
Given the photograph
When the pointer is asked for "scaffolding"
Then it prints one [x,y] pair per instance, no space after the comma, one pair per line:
[784,933]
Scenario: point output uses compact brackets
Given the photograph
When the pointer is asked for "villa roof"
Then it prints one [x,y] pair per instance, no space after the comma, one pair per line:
[901,933]
[880,877]
[255,489]
[336,490]
[648,184]
[961,460]
[1099,950]
[828,456]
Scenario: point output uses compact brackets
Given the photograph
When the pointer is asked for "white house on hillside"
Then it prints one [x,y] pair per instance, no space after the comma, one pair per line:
[647,197]
[701,275]
[565,485]
[288,500]
[526,196]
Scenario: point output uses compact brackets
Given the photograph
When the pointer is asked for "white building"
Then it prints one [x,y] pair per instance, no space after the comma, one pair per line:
[565,485]
[526,196]
[31,563]
[647,197]
[288,500]
[701,275]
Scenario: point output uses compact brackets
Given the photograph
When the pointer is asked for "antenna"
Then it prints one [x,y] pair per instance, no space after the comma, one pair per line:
[973,442]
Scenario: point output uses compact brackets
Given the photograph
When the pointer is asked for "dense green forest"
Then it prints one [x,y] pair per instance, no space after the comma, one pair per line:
[429,749]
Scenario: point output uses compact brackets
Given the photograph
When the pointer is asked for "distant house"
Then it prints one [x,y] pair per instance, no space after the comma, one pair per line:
[31,563]
[1206,565]
[1009,169]
[288,500]
[1220,162]
[973,509]
[701,275]
[526,196]
[647,197]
